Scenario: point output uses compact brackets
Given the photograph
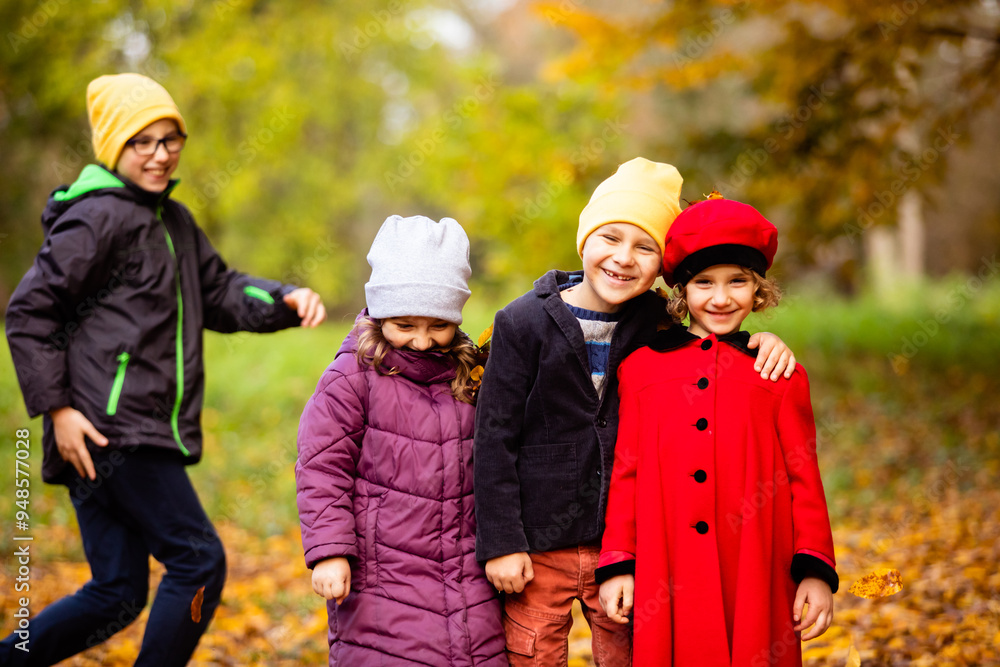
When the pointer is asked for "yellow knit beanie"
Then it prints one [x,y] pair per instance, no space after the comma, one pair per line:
[119,106]
[643,193]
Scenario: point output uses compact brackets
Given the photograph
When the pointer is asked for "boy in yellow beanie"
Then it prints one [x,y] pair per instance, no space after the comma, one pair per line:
[547,416]
[105,330]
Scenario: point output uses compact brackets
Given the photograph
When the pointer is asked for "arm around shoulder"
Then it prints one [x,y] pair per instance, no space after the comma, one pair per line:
[775,358]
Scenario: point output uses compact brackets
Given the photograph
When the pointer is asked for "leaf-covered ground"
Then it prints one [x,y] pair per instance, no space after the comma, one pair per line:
[947,548]
[908,442]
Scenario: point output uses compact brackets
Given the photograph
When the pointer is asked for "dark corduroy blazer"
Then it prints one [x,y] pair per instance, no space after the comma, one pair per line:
[545,441]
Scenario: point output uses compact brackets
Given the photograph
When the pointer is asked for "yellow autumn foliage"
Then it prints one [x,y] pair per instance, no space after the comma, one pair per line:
[485,336]
[878,584]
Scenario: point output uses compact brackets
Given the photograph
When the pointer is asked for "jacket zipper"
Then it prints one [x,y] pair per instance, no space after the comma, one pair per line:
[175,414]
[116,387]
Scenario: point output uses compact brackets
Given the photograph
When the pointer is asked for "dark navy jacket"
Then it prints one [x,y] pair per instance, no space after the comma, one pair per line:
[109,317]
[545,442]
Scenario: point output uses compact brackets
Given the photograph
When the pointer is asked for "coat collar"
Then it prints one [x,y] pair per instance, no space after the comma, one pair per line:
[548,284]
[422,367]
[547,288]
[641,311]
[678,336]
[97,180]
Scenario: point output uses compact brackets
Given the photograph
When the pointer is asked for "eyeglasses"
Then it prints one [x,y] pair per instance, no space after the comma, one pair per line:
[148,145]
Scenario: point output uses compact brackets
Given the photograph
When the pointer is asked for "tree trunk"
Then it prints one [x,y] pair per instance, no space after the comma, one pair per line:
[896,254]
[912,235]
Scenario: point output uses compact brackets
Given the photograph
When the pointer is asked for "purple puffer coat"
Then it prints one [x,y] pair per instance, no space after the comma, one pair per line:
[384,478]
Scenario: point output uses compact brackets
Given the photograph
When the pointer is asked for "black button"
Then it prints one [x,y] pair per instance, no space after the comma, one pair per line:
[703,383]
[601,423]
[701,424]
[705,344]
[700,476]
[701,527]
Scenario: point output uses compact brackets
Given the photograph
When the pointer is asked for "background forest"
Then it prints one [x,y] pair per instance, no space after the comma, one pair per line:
[867,131]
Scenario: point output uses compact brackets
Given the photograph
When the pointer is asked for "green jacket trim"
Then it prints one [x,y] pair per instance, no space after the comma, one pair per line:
[175,413]
[116,388]
[258,293]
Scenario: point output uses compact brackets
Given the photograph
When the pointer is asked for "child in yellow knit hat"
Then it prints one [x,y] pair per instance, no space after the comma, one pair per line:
[105,330]
[547,416]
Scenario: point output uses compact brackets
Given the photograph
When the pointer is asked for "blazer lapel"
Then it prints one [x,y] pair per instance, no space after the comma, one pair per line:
[570,328]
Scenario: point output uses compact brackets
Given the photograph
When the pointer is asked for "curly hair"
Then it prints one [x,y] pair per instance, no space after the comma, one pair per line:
[766,294]
[373,347]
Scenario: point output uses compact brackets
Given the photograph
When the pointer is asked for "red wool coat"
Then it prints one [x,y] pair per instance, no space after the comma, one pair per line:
[717,496]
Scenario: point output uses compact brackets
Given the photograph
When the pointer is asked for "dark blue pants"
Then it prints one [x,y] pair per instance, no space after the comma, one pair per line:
[141,504]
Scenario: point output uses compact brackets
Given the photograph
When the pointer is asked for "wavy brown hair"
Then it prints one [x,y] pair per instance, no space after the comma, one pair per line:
[373,347]
[766,294]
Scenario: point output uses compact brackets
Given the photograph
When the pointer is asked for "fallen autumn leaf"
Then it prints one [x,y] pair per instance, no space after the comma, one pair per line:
[881,583]
[199,597]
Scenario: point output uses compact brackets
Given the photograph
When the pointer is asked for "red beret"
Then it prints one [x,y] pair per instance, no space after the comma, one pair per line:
[717,231]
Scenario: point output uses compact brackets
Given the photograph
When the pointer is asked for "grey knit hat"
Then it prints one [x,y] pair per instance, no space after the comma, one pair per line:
[419,268]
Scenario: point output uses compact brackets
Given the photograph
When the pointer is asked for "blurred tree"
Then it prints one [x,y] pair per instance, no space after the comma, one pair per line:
[309,125]
[835,115]
[42,63]
[282,108]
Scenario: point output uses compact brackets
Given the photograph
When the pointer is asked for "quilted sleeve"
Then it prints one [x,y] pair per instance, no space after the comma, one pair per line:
[329,444]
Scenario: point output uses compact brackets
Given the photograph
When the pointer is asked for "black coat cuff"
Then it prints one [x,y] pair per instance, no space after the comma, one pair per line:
[804,565]
[602,574]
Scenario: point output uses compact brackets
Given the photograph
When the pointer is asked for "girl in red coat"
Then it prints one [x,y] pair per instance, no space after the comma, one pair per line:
[718,540]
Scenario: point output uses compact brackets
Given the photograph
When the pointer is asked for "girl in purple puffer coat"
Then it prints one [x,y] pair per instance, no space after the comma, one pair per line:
[384,473]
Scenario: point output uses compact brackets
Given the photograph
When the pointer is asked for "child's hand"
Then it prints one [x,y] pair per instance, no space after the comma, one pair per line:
[816,593]
[70,427]
[616,597]
[774,356]
[510,573]
[308,306]
[332,579]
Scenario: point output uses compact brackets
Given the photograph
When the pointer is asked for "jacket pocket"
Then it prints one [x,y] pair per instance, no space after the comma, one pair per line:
[562,455]
[520,640]
[549,484]
[118,383]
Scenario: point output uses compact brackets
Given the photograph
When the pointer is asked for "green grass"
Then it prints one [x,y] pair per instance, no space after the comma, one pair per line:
[922,326]
[895,404]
